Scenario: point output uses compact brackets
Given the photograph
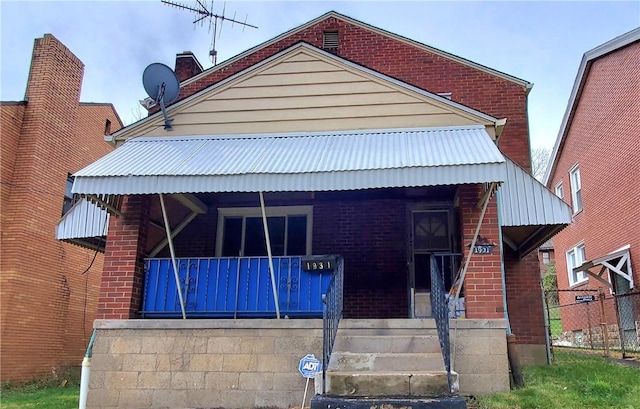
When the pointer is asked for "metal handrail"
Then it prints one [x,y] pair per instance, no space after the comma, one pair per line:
[440,312]
[331,316]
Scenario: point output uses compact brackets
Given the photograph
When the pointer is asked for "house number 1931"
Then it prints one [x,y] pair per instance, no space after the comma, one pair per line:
[318,264]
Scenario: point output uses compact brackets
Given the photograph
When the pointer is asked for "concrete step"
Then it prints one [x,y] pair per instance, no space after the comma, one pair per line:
[361,362]
[388,327]
[387,344]
[333,402]
[395,383]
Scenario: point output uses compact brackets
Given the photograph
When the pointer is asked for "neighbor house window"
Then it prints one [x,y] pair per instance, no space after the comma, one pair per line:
[241,233]
[559,190]
[575,258]
[69,198]
[545,257]
[576,189]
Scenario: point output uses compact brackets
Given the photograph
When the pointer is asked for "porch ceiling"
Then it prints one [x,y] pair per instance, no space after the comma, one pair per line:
[319,161]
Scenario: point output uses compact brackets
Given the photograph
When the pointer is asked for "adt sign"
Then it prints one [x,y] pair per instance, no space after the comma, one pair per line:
[309,366]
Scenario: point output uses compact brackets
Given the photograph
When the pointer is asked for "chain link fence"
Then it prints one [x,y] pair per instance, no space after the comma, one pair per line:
[594,320]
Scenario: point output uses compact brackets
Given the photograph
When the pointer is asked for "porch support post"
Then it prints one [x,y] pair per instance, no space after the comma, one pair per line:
[173,255]
[271,270]
[458,283]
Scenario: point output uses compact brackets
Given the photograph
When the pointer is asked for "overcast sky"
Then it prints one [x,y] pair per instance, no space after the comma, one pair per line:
[541,42]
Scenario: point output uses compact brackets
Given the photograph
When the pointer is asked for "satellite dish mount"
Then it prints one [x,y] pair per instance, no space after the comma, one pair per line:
[162,85]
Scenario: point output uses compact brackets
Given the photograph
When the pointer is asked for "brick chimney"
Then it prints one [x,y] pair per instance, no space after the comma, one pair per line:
[187,65]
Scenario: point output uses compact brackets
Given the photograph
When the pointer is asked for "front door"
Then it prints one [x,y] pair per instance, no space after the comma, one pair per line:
[430,234]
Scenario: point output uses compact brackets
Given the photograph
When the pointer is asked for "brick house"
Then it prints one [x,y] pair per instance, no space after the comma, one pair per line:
[596,157]
[546,256]
[385,178]
[48,305]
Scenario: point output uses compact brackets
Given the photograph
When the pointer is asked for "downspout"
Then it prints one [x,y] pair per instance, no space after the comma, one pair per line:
[268,239]
[86,372]
[173,255]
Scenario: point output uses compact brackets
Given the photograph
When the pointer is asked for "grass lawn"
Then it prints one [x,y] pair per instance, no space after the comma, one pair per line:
[572,382]
[36,396]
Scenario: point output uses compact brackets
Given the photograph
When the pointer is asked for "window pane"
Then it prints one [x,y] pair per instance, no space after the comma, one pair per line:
[254,242]
[276,235]
[297,236]
[232,236]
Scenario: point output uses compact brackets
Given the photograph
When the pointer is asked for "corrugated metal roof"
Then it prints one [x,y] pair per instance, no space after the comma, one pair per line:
[83,220]
[526,202]
[318,161]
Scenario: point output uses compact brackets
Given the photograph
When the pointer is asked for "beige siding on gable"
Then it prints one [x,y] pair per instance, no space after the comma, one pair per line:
[304,92]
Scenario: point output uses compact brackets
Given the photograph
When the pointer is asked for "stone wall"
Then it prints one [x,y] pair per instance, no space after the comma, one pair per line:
[479,355]
[201,363]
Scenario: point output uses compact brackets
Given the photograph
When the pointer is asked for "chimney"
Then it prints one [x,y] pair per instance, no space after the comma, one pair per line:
[187,65]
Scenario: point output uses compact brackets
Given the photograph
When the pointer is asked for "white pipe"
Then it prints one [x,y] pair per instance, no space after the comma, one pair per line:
[86,372]
[84,382]
[173,256]
[266,236]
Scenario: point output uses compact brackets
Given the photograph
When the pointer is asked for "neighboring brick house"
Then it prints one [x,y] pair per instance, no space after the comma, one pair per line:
[345,140]
[546,256]
[48,305]
[594,167]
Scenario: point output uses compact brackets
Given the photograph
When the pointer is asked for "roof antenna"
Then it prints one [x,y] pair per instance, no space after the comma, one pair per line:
[162,85]
[203,13]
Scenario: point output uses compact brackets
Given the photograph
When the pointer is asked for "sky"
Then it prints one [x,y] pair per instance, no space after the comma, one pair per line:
[541,42]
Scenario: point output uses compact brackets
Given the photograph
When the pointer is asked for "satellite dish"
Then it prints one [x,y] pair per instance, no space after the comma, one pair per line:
[161,84]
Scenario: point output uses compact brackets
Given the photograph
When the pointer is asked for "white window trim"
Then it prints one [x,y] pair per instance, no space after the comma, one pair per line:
[574,197]
[570,269]
[275,211]
[559,187]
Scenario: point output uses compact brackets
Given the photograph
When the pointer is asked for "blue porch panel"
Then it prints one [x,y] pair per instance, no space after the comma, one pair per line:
[227,287]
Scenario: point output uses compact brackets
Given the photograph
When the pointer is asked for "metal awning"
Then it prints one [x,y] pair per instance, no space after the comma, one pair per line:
[85,224]
[318,161]
[617,262]
[530,214]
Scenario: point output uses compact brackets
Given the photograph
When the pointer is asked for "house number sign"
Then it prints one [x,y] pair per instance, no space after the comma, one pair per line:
[319,263]
[483,249]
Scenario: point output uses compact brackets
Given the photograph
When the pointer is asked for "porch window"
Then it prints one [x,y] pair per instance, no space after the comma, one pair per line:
[559,190]
[575,258]
[576,189]
[240,231]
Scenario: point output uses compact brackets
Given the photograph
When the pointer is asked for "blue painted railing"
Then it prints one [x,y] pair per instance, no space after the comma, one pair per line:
[228,287]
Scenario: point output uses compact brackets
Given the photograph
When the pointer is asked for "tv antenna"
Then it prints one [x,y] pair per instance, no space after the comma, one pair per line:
[162,85]
[206,14]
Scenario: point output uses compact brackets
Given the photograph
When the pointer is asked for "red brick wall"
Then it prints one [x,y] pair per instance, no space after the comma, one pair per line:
[474,88]
[524,297]
[603,139]
[483,281]
[48,304]
[123,271]
[371,235]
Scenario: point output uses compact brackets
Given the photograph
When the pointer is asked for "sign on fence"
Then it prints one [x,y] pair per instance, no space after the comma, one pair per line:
[585,298]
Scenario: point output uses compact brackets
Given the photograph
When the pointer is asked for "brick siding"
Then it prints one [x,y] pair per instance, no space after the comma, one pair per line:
[603,140]
[48,306]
